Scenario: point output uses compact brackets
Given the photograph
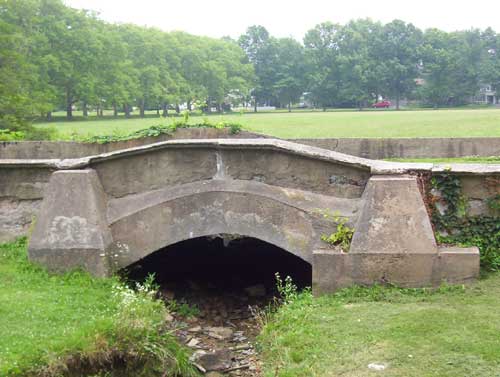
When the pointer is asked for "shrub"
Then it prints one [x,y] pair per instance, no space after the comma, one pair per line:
[157,130]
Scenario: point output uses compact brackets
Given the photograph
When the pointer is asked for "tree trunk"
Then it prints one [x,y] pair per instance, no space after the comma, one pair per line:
[177,108]
[49,116]
[126,110]
[85,109]
[158,111]
[189,105]
[165,110]
[289,107]
[397,101]
[115,110]
[141,109]
[69,107]
[255,105]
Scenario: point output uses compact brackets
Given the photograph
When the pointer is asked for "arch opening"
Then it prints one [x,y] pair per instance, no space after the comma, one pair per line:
[221,265]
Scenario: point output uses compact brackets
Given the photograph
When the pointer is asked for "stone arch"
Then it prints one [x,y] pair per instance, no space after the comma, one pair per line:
[143,231]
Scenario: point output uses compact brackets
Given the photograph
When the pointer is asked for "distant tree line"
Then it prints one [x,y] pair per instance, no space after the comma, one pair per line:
[53,57]
[355,64]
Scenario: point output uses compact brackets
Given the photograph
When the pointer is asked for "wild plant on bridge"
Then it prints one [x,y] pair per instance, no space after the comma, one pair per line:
[343,234]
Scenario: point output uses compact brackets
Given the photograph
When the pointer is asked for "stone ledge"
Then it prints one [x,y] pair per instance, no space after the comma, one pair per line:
[374,166]
[458,264]
[333,270]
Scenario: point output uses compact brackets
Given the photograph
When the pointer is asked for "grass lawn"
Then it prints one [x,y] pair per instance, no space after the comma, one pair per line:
[454,332]
[46,319]
[373,124]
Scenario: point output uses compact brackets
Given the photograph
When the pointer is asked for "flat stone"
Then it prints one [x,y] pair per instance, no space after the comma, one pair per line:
[215,361]
[221,333]
[196,355]
[193,342]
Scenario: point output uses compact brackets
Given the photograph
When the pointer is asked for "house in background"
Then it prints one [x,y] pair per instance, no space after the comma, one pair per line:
[486,95]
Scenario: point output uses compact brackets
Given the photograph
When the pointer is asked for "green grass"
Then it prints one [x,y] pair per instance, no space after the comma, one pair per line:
[372,124]
[452,160]
[47,319]
[454,332]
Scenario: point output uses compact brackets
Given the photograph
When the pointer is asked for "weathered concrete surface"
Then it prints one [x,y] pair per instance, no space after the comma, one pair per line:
[21,193]
[16,217]
[334,270]
[275,162]
[283,217]
[409,147]
[372,148]
[72,149]
[393,243]
[458,265]
[72,231]
[394,219]
[105,212]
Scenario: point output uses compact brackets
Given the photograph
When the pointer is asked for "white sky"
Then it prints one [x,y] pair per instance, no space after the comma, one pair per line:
[283,18]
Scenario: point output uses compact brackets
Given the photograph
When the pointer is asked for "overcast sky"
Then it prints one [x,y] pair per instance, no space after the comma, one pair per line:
[217,18]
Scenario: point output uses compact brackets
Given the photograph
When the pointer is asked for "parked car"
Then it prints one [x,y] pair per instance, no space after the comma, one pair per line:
[382,105]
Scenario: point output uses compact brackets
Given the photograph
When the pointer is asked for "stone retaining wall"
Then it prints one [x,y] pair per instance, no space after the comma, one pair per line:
[71,149]
[367,148]
[379,149]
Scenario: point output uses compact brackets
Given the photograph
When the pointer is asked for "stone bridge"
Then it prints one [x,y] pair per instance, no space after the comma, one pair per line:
[105,212]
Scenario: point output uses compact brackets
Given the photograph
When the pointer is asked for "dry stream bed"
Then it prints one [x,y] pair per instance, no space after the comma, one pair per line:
[216,289]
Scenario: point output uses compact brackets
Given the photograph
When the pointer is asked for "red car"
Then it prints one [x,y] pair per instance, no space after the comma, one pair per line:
[382,105]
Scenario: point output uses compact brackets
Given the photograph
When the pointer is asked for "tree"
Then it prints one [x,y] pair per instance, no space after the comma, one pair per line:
[291,71]
[398,48]
[322,51]
[24,92]
[490,62]
[357,63]
[440,61]
[260,50]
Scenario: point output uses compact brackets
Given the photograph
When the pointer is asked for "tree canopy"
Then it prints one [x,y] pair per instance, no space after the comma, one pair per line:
[53,57]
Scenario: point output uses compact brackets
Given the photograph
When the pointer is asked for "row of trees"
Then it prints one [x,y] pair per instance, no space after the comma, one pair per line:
[55,57]
[355,64]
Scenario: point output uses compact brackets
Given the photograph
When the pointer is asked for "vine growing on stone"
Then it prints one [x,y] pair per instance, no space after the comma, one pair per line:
[453,225]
